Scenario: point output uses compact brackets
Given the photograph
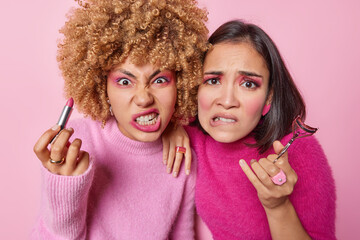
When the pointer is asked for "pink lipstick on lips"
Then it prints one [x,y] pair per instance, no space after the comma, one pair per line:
[146,128]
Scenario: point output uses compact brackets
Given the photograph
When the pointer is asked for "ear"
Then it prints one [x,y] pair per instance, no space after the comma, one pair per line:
[269,97]
[267,106]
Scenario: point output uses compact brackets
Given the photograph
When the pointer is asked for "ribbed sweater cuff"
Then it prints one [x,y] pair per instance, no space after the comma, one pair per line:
[65,201]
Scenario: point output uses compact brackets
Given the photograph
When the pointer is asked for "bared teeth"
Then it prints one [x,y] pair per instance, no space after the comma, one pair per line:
[148,119]
[223,119]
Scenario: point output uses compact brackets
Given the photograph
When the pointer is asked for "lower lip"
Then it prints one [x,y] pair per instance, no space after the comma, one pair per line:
[220,123]
[147,128]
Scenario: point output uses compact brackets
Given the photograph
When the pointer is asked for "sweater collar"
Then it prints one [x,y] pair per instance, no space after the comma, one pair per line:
[114,137]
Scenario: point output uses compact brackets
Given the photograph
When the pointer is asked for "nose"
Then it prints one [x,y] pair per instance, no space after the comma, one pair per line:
[143,98]
[227,98]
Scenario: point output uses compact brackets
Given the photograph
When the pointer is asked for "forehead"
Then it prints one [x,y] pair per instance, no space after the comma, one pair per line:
[240,56]
[129,64]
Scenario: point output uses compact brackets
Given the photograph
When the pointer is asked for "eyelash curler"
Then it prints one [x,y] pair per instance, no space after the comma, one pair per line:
[299,130]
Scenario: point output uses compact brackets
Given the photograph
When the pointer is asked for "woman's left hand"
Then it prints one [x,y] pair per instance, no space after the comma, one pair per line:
[270,194]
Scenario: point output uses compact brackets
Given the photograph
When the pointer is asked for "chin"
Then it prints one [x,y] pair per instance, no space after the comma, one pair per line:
[224,138]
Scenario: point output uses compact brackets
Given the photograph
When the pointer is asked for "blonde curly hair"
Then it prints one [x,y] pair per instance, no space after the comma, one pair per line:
[102,33]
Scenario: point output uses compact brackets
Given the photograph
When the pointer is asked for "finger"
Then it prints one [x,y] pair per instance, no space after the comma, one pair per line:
[82,164]
[171,158]
[177,163]
[283,161]
[278,147]
[251,176]
[262,175]
[268,165]
[187,157]
[40,147]
[72,156]
[58,147]
[166,148]
[178,156]
[284,164]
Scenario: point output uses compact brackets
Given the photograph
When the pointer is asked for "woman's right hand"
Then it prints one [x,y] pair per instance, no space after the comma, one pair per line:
[75,161]
[172,137]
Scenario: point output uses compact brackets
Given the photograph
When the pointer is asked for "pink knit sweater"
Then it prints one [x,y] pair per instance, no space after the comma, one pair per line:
[125,193]
[228,203]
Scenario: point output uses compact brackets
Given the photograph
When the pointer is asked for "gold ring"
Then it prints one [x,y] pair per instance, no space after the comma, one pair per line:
[57,162]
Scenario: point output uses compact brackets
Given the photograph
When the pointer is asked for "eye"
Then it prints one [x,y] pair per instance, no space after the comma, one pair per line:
[124,81]
[161,80]
[249,84]
[212,81]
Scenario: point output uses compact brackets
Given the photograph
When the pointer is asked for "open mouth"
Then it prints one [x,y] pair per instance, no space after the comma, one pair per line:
[149,119]
[222,119]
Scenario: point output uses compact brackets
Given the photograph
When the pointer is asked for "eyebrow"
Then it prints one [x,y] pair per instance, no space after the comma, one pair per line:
[154,74]
[246,73]
[214,73]
[250,74]
[133,76]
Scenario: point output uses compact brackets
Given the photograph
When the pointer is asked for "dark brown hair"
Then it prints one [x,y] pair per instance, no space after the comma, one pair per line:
[286,100]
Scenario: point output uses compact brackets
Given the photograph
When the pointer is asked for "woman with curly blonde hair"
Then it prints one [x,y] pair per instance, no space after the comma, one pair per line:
[132,66]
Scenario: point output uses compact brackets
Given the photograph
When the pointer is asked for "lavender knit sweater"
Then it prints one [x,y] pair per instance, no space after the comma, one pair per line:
[228,203]
[125,193]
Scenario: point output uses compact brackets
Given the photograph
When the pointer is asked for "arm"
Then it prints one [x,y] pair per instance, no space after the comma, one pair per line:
[63,206]
[283,220]
[183,227]
[172,137]
[65,186]
[310,209]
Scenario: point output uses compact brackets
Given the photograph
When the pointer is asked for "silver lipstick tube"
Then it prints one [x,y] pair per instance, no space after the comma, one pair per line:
[64,117]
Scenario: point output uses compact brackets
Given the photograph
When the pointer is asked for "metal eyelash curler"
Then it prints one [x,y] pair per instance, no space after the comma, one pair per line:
[299,130]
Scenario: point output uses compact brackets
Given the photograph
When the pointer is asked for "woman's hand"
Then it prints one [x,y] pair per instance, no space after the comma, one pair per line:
[270,194]
[72,160]
[171,138]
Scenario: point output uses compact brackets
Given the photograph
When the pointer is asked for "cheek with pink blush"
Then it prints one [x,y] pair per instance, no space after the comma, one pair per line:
[204,102]
[253,107]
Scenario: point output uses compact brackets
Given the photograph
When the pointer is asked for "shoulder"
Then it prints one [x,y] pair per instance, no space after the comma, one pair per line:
[193,132]
[197,137]
[80,124]
[308,147]
[309,161]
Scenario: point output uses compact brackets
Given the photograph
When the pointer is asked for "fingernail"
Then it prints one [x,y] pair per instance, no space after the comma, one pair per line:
[164,161]
[168,170]
[175,174]
[252,161]
[55,127]
[187,172]
[70,129]
[242,162]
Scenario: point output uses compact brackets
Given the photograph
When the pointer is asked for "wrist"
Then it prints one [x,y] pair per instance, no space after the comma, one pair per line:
[280,209]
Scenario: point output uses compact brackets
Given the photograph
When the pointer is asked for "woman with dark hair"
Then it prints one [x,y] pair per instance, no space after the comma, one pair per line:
[246,102]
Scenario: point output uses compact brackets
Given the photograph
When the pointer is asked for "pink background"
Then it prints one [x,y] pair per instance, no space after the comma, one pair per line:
[318,39]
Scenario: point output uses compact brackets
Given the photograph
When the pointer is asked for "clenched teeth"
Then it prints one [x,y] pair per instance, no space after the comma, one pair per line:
[147,119]
[223,119]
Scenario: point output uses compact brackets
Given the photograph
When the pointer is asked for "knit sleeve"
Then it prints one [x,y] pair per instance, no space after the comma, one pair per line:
[314,194]
[63,205]
[184,225]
